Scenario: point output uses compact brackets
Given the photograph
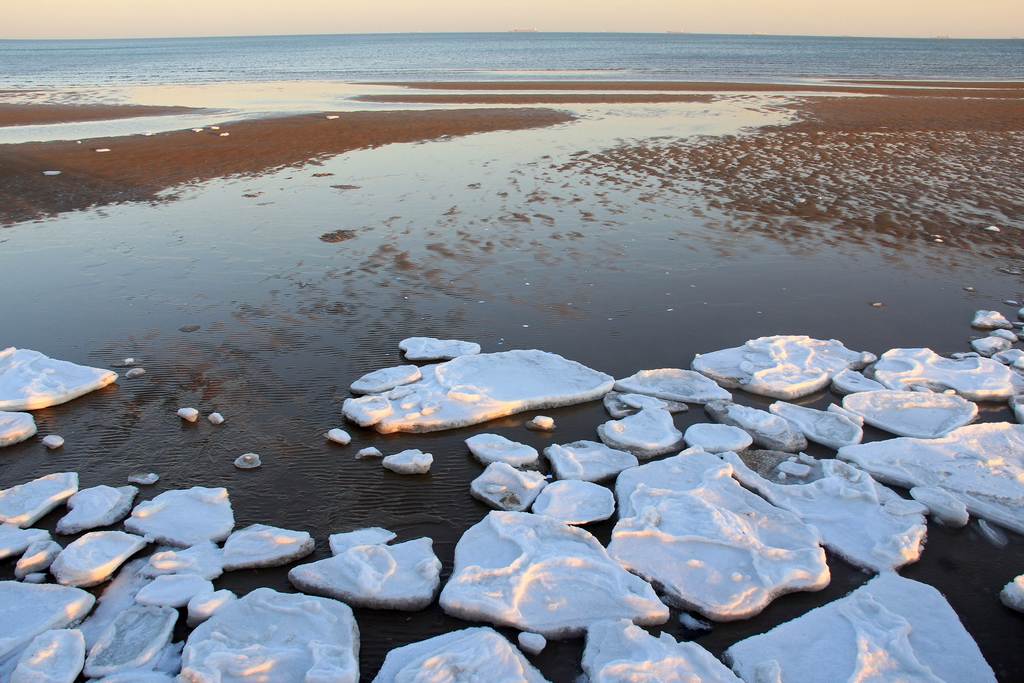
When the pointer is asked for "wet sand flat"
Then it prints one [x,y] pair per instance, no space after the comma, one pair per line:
[14,114]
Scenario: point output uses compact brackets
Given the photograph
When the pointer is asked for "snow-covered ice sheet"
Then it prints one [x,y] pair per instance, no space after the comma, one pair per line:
[575,502]
[27,609]
[95,507]
[673,384]
[184,517]
[173,590]
[14,540]
[30,380]
[981,464]
[620,405]
[921,414]
[621,652]
[472,654]
[133,640]
[385,379]
[859,519]
[716,438]
[537,574]
[16,427]
[588,460]
[260,545]
[890,629]
[23,505]
[410,461]
[299,638]
[826,427]
[94,557]
[783,366]
[974,378]
[54,656]
[851,381]
[37,558]
[429,348]
[473,389]
[503,487]
[402,576]
[646,434]
[488,448]
[204,559]
[767,430]
[711,545]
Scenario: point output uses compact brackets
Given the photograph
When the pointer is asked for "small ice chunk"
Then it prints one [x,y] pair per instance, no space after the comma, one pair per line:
[716,438]
[385,379]
[1017,405]
[248,461]
[428,348]
[31,381]
[826,427]
[974,378]
[296,637]
[471,654]
[404,576]
[203,558]
[31,609]
[944,507]
[794,469]
[989,346]
[503,487]
[51,173]
[588,460]
[541,423]
[537,574]
[1004,334]
[94,557]
[135,373]
[534,643]
[575,502]
[990,320]
[851,381]
[411,461]
[646,434]
[369,452]
[134,640]
[173,590]
[620,652]
[1012,594]
[95,507]
[37,558]
[339,436]
[692,623]
[204,605]
[852,417]
[373,535]
[260,545]
[37,577]
[16,427]
[993,534]
[53,441]
[1012,357]
[923,415]
[184,517]
[23,505]
[992,228]
[188,414]
[215,418]
[622,405]
[14,540]
[673,384]
[143,478]
[767,430]
[488,448]
[54,656]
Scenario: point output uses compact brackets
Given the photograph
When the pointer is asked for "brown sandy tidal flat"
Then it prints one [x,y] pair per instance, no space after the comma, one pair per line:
[547,98]
[36,114]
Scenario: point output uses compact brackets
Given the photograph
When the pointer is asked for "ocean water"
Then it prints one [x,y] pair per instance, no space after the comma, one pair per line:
[474,56]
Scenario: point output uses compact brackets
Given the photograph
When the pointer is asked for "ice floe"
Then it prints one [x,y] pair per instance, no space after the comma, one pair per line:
[410,461]
[1012,594]
[921,414]
[117,596]
[429,348]
[646,434]
[716,438]
[369,452]
[575,502]
[94,557]
[488,448]
[16,427]
[990,320]
[27,610]
[783,366]
[135,373]
[854,514]
[541,423]
[943,507]
[711,545]
[260,545]
[472,654]
[890,629]
[621,652]
[621,405]
[214,418]
[37,558]
[820,426]
[95,507]
[402,576]
[203,558]
[143,478]
[533,643]
[300,638]
[14,540]
[673,384]
[133,640]
[1014,357]
[188,414]
[851,381]
[503,487]
[373,535]
[204,605]
[974,378]
[474,389]
[767,430]
[588,460]
[173,590]
[184,517]
[248,461]
[23,505]
[339,436]
[989,346]
[385,379]
[981,464]
[537,574]
[30,380]
[53,441]
[54,656]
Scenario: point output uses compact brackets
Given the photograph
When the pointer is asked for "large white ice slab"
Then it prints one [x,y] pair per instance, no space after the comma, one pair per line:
[16,427]
[28,609]
[94,557]
[851,381]
[859,519]
[95,507]
[716,438]
[538,574]
[473,389]
[990,320]
[488,448]
[409,461]
[14,540]
[133,640]
[204,605]
[981,464]
[783,366]
[294,638]
[890,629]
[620,405]
[709,544]
[429,348]
[921,414]
[503,487]
[673,384]
[828,428]
[575,502]
[23,505]
[54,656]
[588,460]
[184,517]
[30,381]
[621,652]
[260,545]
[173,590]
[646,434]
[385,379]
[767,430]
[402,576]
[37,558]
[974,378]
[373,535]
[204,558]
[472,654]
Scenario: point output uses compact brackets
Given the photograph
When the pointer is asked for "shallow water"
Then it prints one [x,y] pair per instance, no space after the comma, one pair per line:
[478,238]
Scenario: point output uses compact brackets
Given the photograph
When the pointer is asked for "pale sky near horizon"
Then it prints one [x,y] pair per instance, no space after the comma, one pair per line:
[160,18]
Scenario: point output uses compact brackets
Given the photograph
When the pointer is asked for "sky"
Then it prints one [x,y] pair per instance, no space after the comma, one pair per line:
[161,18]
